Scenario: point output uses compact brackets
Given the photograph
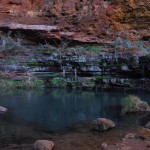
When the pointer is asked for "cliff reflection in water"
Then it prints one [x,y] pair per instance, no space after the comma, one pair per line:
[58,109]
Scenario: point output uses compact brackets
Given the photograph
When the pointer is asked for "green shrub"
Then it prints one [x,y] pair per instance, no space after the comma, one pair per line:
[88,84]
[58,82]
[37,83]
[94,48]
[11,84]
[11,42]
[103,76]
[132,103]
[33,63]
[9,62]
[74,84]
[49,75]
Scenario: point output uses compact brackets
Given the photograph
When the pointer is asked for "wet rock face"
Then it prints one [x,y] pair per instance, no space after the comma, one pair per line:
[133,14]
[91,20]
[3,109]
[148,125]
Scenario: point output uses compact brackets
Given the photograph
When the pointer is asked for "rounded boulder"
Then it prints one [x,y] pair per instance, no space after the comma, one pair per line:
[102,124]
[43,145]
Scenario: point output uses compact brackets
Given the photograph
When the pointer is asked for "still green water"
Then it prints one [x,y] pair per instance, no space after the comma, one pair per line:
[57,110]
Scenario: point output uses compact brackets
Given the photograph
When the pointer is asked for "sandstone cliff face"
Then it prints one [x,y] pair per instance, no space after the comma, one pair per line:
[89,20]
[133,15]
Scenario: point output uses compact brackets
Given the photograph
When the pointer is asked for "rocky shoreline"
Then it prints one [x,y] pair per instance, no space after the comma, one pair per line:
[84,138]
[132,132]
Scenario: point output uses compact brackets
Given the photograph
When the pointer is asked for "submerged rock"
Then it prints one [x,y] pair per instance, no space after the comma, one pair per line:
[102,124]
[3,109]
[43,145]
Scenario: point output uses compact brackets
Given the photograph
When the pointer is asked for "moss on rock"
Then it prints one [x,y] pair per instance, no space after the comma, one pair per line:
[133,103]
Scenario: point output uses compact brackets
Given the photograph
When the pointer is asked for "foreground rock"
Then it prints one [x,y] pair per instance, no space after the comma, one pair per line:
[43,145]
[130,141]
[132,103]
[102,124]
[148,125]
[3,109]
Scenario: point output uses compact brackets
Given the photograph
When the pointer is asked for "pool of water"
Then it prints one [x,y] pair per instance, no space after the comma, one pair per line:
[57,110]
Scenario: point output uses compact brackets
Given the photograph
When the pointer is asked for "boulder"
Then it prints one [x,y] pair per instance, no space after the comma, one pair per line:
[148,125]
[43,145]
[102,124]
[104,145]
[131,141]
[132,136]
[3,109]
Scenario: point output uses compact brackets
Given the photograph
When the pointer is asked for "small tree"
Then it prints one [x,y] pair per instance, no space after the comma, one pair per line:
[9,42]
[118,42]
[61,47]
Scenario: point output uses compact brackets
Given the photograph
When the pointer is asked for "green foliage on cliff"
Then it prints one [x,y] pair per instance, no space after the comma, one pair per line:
[9,61]
[103,76]
[88,84]
[94,48]
[11,42]
[61,82]
[58,82]
[91,48]
[33,63]
[12,84]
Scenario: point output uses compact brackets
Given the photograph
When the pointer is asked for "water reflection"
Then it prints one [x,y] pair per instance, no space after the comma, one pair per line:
[59,109]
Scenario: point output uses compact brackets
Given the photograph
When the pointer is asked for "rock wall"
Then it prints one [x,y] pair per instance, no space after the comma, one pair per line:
[90,20]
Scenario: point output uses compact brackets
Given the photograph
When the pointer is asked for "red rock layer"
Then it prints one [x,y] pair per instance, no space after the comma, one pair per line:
[91,20]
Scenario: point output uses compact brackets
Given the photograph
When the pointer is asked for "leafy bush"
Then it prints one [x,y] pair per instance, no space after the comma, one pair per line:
[132,103]
[12,84]
[74,84]
[94,48]
[88,84]
[103,76]
[49,75]
[9,42]
[37,83]
[9,61]
[58,82]
[33,63]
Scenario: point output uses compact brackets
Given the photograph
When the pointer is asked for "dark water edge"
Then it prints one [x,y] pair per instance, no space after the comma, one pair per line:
[60,114]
